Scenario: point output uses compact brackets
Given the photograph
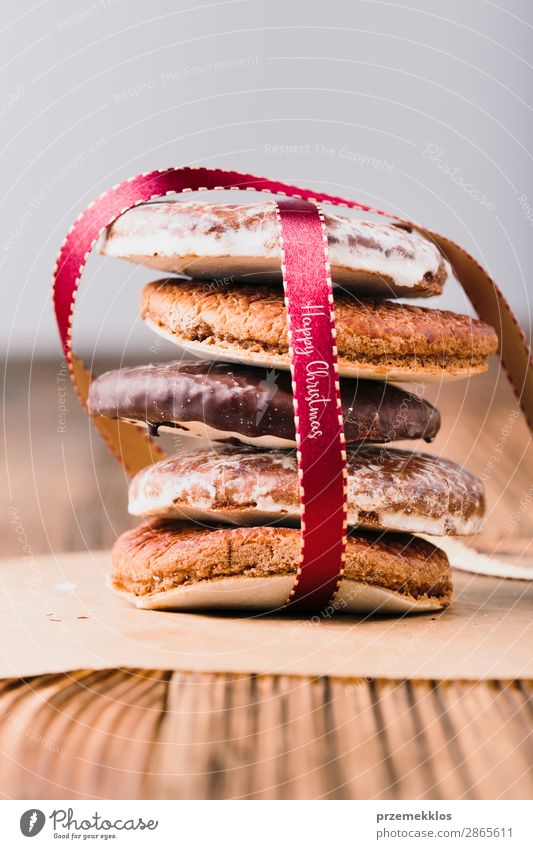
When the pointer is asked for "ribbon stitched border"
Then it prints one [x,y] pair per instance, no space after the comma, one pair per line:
[322,553]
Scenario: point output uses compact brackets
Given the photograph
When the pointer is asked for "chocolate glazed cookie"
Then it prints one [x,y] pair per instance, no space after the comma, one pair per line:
[234,403]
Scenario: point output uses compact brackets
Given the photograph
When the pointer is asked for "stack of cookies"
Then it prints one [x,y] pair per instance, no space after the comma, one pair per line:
[220,520]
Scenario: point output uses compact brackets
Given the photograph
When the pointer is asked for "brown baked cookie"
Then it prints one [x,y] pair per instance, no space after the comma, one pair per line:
[215,241]
[375,339]
[387,489]
[227,402]
[173,565]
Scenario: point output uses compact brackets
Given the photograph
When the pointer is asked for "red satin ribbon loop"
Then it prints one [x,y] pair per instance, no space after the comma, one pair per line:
[321,455]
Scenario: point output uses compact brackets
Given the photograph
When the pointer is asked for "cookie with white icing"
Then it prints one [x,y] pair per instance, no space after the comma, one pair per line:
[388,489]
[226,402]
[214,241]
[375,339]
[180,566]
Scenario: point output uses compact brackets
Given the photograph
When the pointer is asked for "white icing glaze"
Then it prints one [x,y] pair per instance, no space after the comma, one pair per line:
[178,229]
[269,512]
[171,495]
[425,497]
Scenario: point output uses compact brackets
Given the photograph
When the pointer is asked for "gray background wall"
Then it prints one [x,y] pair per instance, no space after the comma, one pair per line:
[422,108]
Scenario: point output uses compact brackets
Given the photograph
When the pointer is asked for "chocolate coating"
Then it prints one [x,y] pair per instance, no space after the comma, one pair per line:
[252,402]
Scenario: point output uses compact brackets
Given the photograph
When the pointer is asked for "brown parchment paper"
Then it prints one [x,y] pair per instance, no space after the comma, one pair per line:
[58,615]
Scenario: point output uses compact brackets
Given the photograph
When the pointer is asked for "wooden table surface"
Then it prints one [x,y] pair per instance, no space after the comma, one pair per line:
[149,733]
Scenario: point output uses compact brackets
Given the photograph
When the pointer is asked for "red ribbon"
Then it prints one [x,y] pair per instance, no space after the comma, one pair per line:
[104,210]
[320,445]
[321,455]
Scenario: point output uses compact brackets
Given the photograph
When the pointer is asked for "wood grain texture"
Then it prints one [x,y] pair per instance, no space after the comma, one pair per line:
[153,734]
